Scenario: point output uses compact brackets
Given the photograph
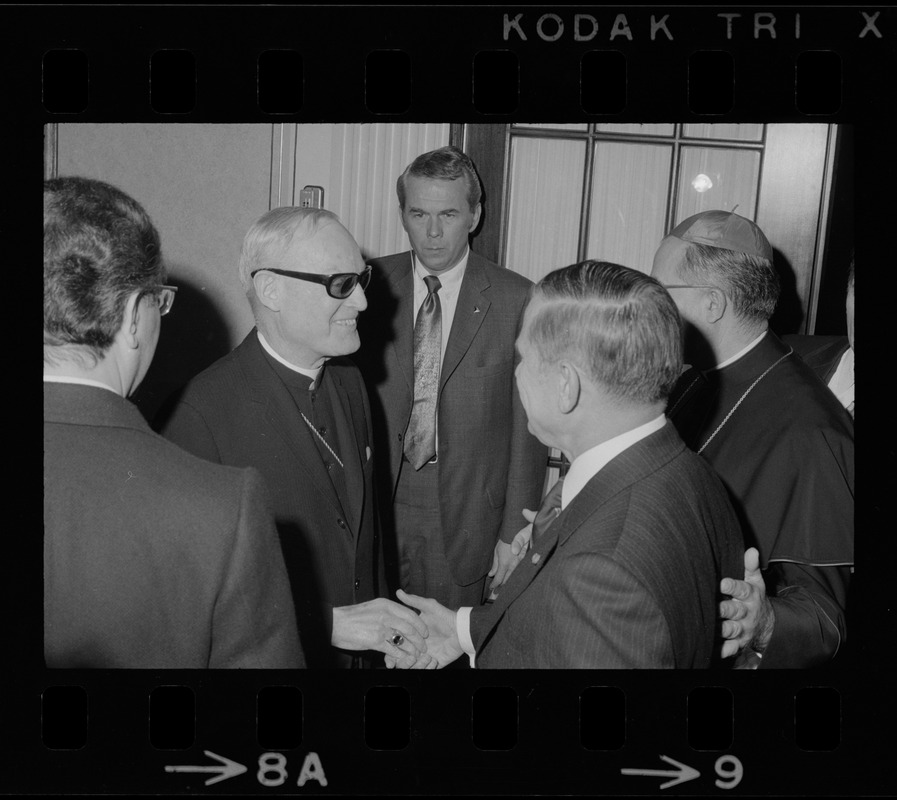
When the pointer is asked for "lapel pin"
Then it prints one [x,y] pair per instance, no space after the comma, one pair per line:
[536,557]
[476,309]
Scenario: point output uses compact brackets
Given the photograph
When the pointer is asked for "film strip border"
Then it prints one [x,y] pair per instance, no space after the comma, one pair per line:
[526,733]
[808,733]
[208,64]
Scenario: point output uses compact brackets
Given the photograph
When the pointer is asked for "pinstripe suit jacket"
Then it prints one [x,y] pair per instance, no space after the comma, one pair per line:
[154,558]
[628,574]
[490,466]
[239,412]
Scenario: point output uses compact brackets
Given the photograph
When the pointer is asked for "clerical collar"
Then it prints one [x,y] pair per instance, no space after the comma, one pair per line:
[449,279]
[739,354]
[309,373]
[79,382]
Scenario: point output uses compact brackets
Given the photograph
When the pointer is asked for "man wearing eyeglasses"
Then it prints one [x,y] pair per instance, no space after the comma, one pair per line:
[153,558]
[287,402]
[775,434]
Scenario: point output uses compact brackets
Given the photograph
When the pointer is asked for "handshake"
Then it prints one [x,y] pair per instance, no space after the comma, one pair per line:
[441,645]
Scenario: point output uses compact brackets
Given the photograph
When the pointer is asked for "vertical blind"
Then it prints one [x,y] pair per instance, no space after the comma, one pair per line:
[365,162]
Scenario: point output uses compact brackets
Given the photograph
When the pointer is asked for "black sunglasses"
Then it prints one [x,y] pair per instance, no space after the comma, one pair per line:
[339,286]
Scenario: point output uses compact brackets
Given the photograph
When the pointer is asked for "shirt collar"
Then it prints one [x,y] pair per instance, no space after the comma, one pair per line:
[309,373]
[79,382]
[449,279]
[591,462]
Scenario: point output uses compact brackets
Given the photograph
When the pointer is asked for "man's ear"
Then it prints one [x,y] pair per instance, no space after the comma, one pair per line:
[715,305]
[267,289]
[131,321]
[569,387]
[476,217]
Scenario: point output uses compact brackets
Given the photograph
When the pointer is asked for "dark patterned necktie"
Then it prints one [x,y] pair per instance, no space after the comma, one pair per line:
[420,438]
[548,511]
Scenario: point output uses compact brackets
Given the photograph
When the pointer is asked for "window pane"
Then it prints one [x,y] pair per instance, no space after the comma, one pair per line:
[744,133]
[560,126]
[629,202]
[661,129]
[714,177]
[545,200]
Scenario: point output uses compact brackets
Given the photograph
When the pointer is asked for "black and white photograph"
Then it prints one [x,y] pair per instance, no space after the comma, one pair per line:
[542,386]
[447,444]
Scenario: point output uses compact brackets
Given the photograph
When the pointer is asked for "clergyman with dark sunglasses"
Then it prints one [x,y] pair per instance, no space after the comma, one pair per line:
[288,402]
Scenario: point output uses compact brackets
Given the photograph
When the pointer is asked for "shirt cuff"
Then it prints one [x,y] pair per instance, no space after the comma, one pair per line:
[462,628]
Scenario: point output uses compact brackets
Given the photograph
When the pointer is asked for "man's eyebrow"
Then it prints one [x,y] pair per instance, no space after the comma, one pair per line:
[412,209]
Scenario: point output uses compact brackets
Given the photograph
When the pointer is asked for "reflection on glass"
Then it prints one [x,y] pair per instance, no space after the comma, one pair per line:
[544,206]
[629,202]
[734,175]
[737,131]
[701,183]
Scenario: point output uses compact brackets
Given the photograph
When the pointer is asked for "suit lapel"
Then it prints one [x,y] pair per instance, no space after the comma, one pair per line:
[402,282]
[526,572]
[628,467]
[285,420]
[471,310]
[644,457]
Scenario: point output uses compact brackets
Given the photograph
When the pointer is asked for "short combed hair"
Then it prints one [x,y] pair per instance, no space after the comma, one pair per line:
[750,282]
[271,234]
[447,164]
[618,325]
[100,246]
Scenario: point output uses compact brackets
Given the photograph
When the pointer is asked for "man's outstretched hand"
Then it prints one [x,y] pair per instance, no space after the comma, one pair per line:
[373,624]
[442,643]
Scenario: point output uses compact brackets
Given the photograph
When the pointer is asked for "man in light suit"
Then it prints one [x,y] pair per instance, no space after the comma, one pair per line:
[456,463]
[152,558]
[628,549]
[287,402]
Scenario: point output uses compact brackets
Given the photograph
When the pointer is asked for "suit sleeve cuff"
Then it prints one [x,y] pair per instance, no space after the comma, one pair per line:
[462,628]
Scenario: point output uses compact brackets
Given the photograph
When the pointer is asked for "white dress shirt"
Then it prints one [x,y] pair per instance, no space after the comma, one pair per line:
[584,467]
[450,281]
[841,382]
[79,381]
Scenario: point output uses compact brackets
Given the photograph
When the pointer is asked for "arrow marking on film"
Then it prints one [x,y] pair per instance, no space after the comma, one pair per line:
[226,769]
[682,774]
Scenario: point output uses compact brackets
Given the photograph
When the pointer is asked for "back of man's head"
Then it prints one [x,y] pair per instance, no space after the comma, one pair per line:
[100,246]
[730,251]
[447,164]
[618,325]
[271,235]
